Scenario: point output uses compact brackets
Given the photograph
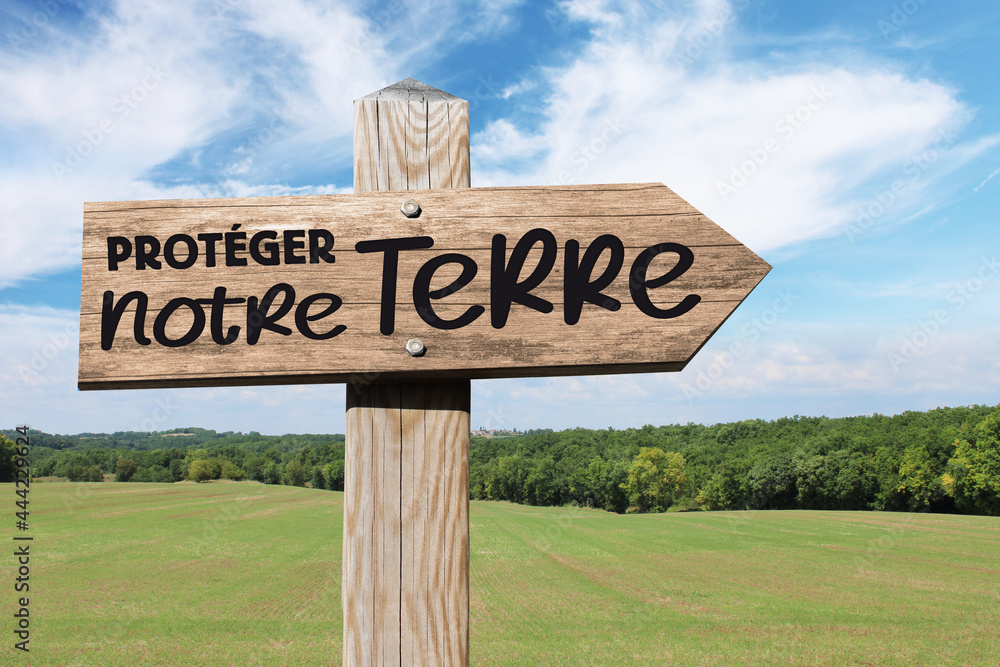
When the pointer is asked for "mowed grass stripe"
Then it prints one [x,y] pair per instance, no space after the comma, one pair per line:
[245,574]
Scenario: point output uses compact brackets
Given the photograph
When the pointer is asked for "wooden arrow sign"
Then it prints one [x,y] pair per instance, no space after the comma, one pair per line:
[428,284]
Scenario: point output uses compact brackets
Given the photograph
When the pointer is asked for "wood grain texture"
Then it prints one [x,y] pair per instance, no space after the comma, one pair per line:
[414,562]
[410,136]
[406,525]
[357,583]
[387,432]
[459,221]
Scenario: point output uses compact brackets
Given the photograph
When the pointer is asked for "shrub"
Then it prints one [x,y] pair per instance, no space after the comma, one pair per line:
[295,474]
[203,470]
[125,470]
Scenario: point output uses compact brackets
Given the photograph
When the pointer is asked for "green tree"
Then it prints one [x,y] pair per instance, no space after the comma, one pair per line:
[855,483]
[295,474]
[813,483]
[973,476]
[643,483]
[272,473]
[540,483]
[305,456]
[125,470]
[203,470]
[771,484]
[597,487]
[8,452]
[919,478]
[655,479]
[675,479]
[230,470]
[716,493]
[254,464]
[727,488]
[334,474]
[511,474]
[178,469]
[317,478]
[616,474]
[195,454]
[887,496]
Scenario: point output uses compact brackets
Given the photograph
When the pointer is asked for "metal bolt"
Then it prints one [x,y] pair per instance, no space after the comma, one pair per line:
[410,208]
[415,347]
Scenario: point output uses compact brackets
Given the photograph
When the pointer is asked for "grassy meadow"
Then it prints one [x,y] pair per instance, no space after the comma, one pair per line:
[246,574]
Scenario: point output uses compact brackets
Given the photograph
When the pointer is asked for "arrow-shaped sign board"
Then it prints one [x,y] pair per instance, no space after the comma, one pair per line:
[426,284]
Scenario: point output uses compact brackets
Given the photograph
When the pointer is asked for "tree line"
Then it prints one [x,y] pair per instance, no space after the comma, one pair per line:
[942,460]
[197,455]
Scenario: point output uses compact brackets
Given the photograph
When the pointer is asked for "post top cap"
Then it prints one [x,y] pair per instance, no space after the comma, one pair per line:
[412,90]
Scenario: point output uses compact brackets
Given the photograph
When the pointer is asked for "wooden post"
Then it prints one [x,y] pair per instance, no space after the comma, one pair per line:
[406,507]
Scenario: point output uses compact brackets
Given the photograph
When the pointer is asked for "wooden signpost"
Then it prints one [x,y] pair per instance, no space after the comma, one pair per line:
[405,297]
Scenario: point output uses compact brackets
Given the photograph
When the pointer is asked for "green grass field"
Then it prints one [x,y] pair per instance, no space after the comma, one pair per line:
[244,574]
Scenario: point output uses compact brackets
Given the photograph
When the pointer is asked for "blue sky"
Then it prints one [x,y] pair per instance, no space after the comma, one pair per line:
[853,145]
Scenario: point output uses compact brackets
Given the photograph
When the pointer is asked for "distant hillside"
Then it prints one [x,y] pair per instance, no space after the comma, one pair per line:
[937,460]
[178,437]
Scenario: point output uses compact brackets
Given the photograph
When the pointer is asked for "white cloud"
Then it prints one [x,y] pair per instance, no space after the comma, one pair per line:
[988,179]
[37,347]
[799,370]
[518,89]
[775,156]
[89,111]
[501,141]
